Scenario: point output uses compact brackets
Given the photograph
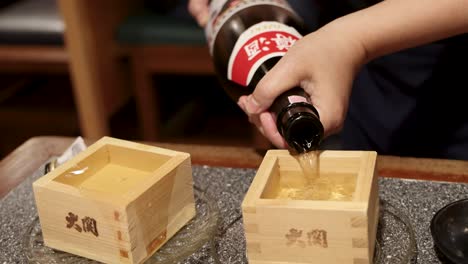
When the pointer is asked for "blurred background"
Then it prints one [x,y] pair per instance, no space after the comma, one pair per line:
[137,70]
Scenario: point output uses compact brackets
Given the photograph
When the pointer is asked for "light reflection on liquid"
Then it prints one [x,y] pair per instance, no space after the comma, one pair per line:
[319,186]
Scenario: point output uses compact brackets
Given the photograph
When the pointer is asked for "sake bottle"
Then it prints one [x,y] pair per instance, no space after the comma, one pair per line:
[246,39]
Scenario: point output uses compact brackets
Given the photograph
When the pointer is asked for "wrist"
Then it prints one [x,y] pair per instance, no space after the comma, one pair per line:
[348,42]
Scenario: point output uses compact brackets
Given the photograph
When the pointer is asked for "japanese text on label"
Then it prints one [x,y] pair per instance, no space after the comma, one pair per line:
[88,224]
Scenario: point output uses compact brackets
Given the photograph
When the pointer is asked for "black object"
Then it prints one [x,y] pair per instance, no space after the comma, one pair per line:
[299,123]
[449,229]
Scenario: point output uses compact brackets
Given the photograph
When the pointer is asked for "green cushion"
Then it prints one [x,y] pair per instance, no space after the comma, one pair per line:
[151,28]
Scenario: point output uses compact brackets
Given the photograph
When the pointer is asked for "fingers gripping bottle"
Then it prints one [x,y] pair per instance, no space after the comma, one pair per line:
[246,39]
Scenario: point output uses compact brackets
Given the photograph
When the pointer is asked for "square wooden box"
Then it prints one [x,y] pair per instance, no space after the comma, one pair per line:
[312,231]
[116,202]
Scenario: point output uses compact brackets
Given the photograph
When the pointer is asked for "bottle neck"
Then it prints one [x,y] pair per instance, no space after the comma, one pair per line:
[300,125]
[297,119]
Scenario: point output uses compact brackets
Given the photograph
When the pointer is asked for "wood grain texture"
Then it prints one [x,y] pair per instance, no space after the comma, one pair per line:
[423,168]
[152,60]
[33,59]
[150,188]
[311,231]
[99,81]
[25,159]
[171,59]
[33,54]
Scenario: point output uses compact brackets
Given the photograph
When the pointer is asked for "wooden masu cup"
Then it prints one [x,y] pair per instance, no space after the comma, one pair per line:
[116,202]
[280,230]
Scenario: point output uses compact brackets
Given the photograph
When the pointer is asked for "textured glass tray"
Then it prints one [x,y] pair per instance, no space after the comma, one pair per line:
[199,232]
[395,239]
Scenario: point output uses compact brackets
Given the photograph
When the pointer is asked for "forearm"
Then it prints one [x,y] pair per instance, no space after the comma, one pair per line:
[394,25]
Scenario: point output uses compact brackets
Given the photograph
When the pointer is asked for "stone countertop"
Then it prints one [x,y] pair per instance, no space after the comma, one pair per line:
[415,200]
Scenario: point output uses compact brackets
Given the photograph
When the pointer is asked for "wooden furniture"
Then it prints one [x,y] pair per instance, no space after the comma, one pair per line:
[31,38]
[98,64]
[61,37]
[158,44]
[290,217]
[166,44]
[113,56]
[121,200]
[147,61]
[100,81]
[30,155]
[32,58]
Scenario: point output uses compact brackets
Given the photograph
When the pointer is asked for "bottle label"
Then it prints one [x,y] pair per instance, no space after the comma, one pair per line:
[257,44]
[292,99]
[222,10]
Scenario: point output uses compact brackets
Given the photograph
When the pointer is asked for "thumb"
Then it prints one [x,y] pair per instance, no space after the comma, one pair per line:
[280,78]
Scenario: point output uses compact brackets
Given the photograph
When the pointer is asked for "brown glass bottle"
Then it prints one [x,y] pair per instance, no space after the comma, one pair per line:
[247,38]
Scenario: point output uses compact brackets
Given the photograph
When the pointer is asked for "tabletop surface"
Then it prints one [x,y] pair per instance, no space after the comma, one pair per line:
[25,159]
[227,178]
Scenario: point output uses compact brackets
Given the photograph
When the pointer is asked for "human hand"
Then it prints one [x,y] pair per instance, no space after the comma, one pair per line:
[324,64]
[199,10]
